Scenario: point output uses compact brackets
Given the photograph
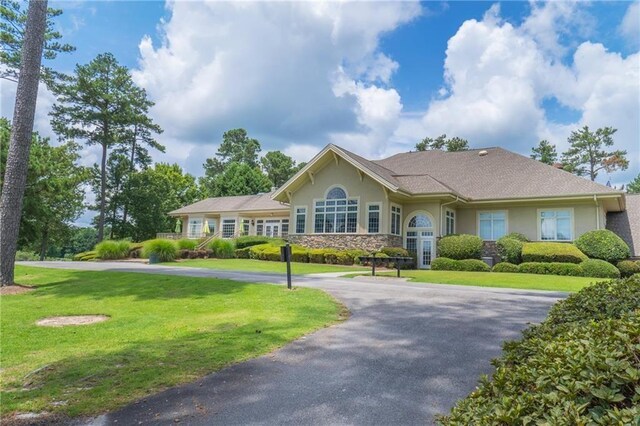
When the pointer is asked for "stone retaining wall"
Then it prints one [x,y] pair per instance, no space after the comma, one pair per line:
[369,242]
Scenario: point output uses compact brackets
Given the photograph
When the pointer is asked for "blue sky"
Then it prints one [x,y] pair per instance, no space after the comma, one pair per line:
[372,77]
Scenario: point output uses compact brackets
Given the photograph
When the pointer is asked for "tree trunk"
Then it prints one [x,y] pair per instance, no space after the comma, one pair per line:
[103,190]
[131,168]
[43,244]
[18,157]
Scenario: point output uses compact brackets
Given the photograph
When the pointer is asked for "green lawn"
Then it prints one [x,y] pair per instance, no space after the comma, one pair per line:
[163,331]
[495,279]
[251,265]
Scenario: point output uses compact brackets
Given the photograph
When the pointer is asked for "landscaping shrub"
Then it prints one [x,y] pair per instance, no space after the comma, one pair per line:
[112,249]
[473,265]
[243,253]
[299,254]
[265,252]
[568,269]
[86,256]
[395,251]
[603,244]
[541,268]
[222,249]
[27,255]
[251,240]
[599,269]
[510,249]
[187,244]
[552,252]
[356,253]
[135,253]
[628,267]
[505,267]
[580,366]
[344,258]
[331,256]
[460,247]
[517,236]
[184,253]
[166,250]
[444,264]
[317,255]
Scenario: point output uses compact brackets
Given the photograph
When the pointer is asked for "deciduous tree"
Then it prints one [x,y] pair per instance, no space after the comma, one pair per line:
[279,167]
[20,141]
[587,154]
[239,179]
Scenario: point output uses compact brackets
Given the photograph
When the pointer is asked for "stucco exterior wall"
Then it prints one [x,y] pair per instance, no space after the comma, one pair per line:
[346,176]
[524,219]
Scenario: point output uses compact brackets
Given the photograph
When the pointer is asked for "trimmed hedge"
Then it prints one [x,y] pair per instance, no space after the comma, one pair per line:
[459,247]
[470,265]
[187,244]
[505,267]
[517,236]
[551,268]
[510,249]
[250,240]
[599,269]
[85,256]
[111,249]
[580,366]
[628,267]
[166,250]
[356,253]
[317,255]
[552,252]
[242,253]
[395,251]
[222,249]
[603,244]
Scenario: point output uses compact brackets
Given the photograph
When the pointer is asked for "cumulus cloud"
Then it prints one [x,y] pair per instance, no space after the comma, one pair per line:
[630,26]
[498,76]
[299,71]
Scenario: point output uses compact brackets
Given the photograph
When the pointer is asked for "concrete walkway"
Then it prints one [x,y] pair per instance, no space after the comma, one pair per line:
[407,353]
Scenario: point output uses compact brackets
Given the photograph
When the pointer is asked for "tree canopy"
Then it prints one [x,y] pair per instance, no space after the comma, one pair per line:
[545,152]
[442,143]
[587,154]
[634,186]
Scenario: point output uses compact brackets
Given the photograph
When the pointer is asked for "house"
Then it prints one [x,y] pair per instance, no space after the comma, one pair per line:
[340,199]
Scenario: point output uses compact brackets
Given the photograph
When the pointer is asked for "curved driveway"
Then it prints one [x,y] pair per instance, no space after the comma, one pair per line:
[407,353]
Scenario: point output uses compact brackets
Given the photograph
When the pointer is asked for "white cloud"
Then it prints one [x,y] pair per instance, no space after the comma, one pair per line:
[630,26]
[271,68]
[498,76]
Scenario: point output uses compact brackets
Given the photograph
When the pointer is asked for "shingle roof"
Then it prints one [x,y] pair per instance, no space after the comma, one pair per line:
[627,223]
[235,203]
[499,174]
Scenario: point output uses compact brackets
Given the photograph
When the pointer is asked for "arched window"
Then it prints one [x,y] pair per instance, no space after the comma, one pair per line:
[336,213]
[420,221]
[419,226]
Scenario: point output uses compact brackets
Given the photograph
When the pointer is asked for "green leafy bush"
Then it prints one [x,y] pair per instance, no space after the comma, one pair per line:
[86,256]
[252,240]
[395,251]
[460,247]
[510,249]
[317,255]
[628,267]
[473,265]
[331,256]
[603,244]
[517,236]
[166,250]
[599,269]
[445,264]
[112,249]
[299,254]
[242,253]
[505,267]
[344,258]
[265,252]
[187,244]
[356,253]
[580,366]
[541,268]
[28,256]
[552,252]
[568,269]
[222,249]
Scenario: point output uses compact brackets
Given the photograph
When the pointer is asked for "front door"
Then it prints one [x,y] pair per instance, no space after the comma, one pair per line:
[425,251]
[271,230]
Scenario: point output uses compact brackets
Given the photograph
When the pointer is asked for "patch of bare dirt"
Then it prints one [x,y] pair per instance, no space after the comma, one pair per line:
[15,289]
[71,320]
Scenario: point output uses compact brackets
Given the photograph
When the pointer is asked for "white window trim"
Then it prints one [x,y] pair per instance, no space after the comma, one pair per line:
[506,221]
[455,220]
[344,188]
[571,219]
[235,225]
[357,212]
[295,219]
[380,215]
[391,205]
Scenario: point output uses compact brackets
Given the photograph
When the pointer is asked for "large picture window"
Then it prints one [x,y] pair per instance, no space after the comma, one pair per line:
[555,225]
[301,220]
[492,225]
[396,221]
[336,214]
[373,218]
[228,228]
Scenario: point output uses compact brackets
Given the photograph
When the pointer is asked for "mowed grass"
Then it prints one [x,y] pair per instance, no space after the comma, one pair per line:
[162,331]
[252,265]
[495,279]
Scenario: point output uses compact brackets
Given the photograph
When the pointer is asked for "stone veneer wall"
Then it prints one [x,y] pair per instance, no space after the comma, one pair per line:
[369,242]
[490,249]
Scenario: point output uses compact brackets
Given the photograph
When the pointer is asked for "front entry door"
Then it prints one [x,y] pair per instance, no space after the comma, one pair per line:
[271,230]
[425,252]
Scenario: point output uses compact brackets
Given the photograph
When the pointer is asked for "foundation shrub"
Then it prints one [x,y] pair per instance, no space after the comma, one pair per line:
[552,252]
[599,269]
[459,247]
[603,244]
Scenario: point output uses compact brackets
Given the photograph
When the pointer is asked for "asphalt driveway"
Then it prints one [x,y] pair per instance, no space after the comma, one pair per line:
[407,353]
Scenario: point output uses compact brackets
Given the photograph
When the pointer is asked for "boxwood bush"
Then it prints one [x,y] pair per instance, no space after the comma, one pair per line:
[447,264]
[395,251]
[505,267]
[242,253]
[460,247]
[580,366]
[222,249]
[473,265]
[552,252]
[552,268]
[166,250]
[510,249]
[603,244]
[599,269]
[299,254]
[628,267]
[252,240]
[187,244]
[112,249]
[317,255]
